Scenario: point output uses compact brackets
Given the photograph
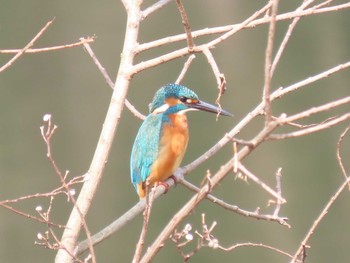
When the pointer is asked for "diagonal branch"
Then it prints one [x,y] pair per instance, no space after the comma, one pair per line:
[108,79]
[184,69]
[254,23]
[186,23]
[196,49]
[288,34]
[236,209]
[312,129]
[82,41]
[339,144]
[268,62]
[264,186]
[324,212]
[153,8]
[111,123]
[315,110]
[196,199]
[22,51]
[139,207]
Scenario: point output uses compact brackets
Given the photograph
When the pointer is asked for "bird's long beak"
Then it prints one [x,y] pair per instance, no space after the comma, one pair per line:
[204,106]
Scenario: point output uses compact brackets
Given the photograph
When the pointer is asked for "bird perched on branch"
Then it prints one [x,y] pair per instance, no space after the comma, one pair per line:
[162,139]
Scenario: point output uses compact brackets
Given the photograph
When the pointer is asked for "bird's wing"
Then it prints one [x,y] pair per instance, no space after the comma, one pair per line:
[145,149]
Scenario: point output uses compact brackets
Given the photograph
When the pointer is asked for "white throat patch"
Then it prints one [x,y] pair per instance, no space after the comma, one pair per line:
[161,109]
[182,112]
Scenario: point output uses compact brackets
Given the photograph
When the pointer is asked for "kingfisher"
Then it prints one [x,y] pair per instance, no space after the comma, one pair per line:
[162,139]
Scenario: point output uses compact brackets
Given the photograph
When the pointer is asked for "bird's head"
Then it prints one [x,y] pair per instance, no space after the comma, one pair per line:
[179,99]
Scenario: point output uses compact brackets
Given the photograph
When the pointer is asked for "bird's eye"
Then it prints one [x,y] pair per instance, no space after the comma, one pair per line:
[183,99]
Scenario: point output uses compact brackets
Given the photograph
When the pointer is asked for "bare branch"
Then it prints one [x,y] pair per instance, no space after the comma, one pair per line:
[112,120]
[185,68]
[250,244]
[312,129]
[196,199]
[196,49]
[324,212]
[186,24]
[155,7]
[220,78]
[237,27]
[126,4]
[286,38]
[268,62]
[139,207]
[315,110]
[309,80]
[3,204]
[340,141]
[47,136]
[264,186]
[236,209]
[22,51]
[108,79]
[279,191]
[47,49]
[119,222]
[146,216]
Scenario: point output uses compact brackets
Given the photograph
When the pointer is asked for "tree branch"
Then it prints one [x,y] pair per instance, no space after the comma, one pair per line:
[110,125]
[196,199]
[22,51]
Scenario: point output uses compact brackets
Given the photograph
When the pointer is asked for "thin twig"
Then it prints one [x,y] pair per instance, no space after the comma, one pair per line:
[264,186]
[185,51]
[316,223]
[108,79]
[29,216]
[318,109]
[268,62]
[309,80]
[30,44]
[119,222]
[257,111]
[57,191]
[236,209]
[47,49]
[250,244]
[220,78]
[185,68]
[287,36]
[238,27]
[186,23]
[310,130]
[47,136]
[156,6]
[279,191]
[340,162]
[146,216]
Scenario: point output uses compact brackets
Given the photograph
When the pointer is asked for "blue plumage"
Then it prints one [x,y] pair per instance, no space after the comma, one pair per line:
[146,148]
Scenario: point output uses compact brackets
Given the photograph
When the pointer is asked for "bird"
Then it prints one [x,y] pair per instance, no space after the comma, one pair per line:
[162,138]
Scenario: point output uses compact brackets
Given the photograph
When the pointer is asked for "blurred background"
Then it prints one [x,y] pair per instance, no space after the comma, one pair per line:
[67,85]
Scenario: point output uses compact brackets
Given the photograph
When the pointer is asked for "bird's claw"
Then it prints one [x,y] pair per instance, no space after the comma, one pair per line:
[166,186]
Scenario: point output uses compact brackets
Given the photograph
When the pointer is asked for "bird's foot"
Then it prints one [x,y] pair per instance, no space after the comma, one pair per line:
[165,185]
[174,179]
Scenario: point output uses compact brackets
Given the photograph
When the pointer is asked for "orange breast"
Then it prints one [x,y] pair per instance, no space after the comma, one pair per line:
[172,148]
